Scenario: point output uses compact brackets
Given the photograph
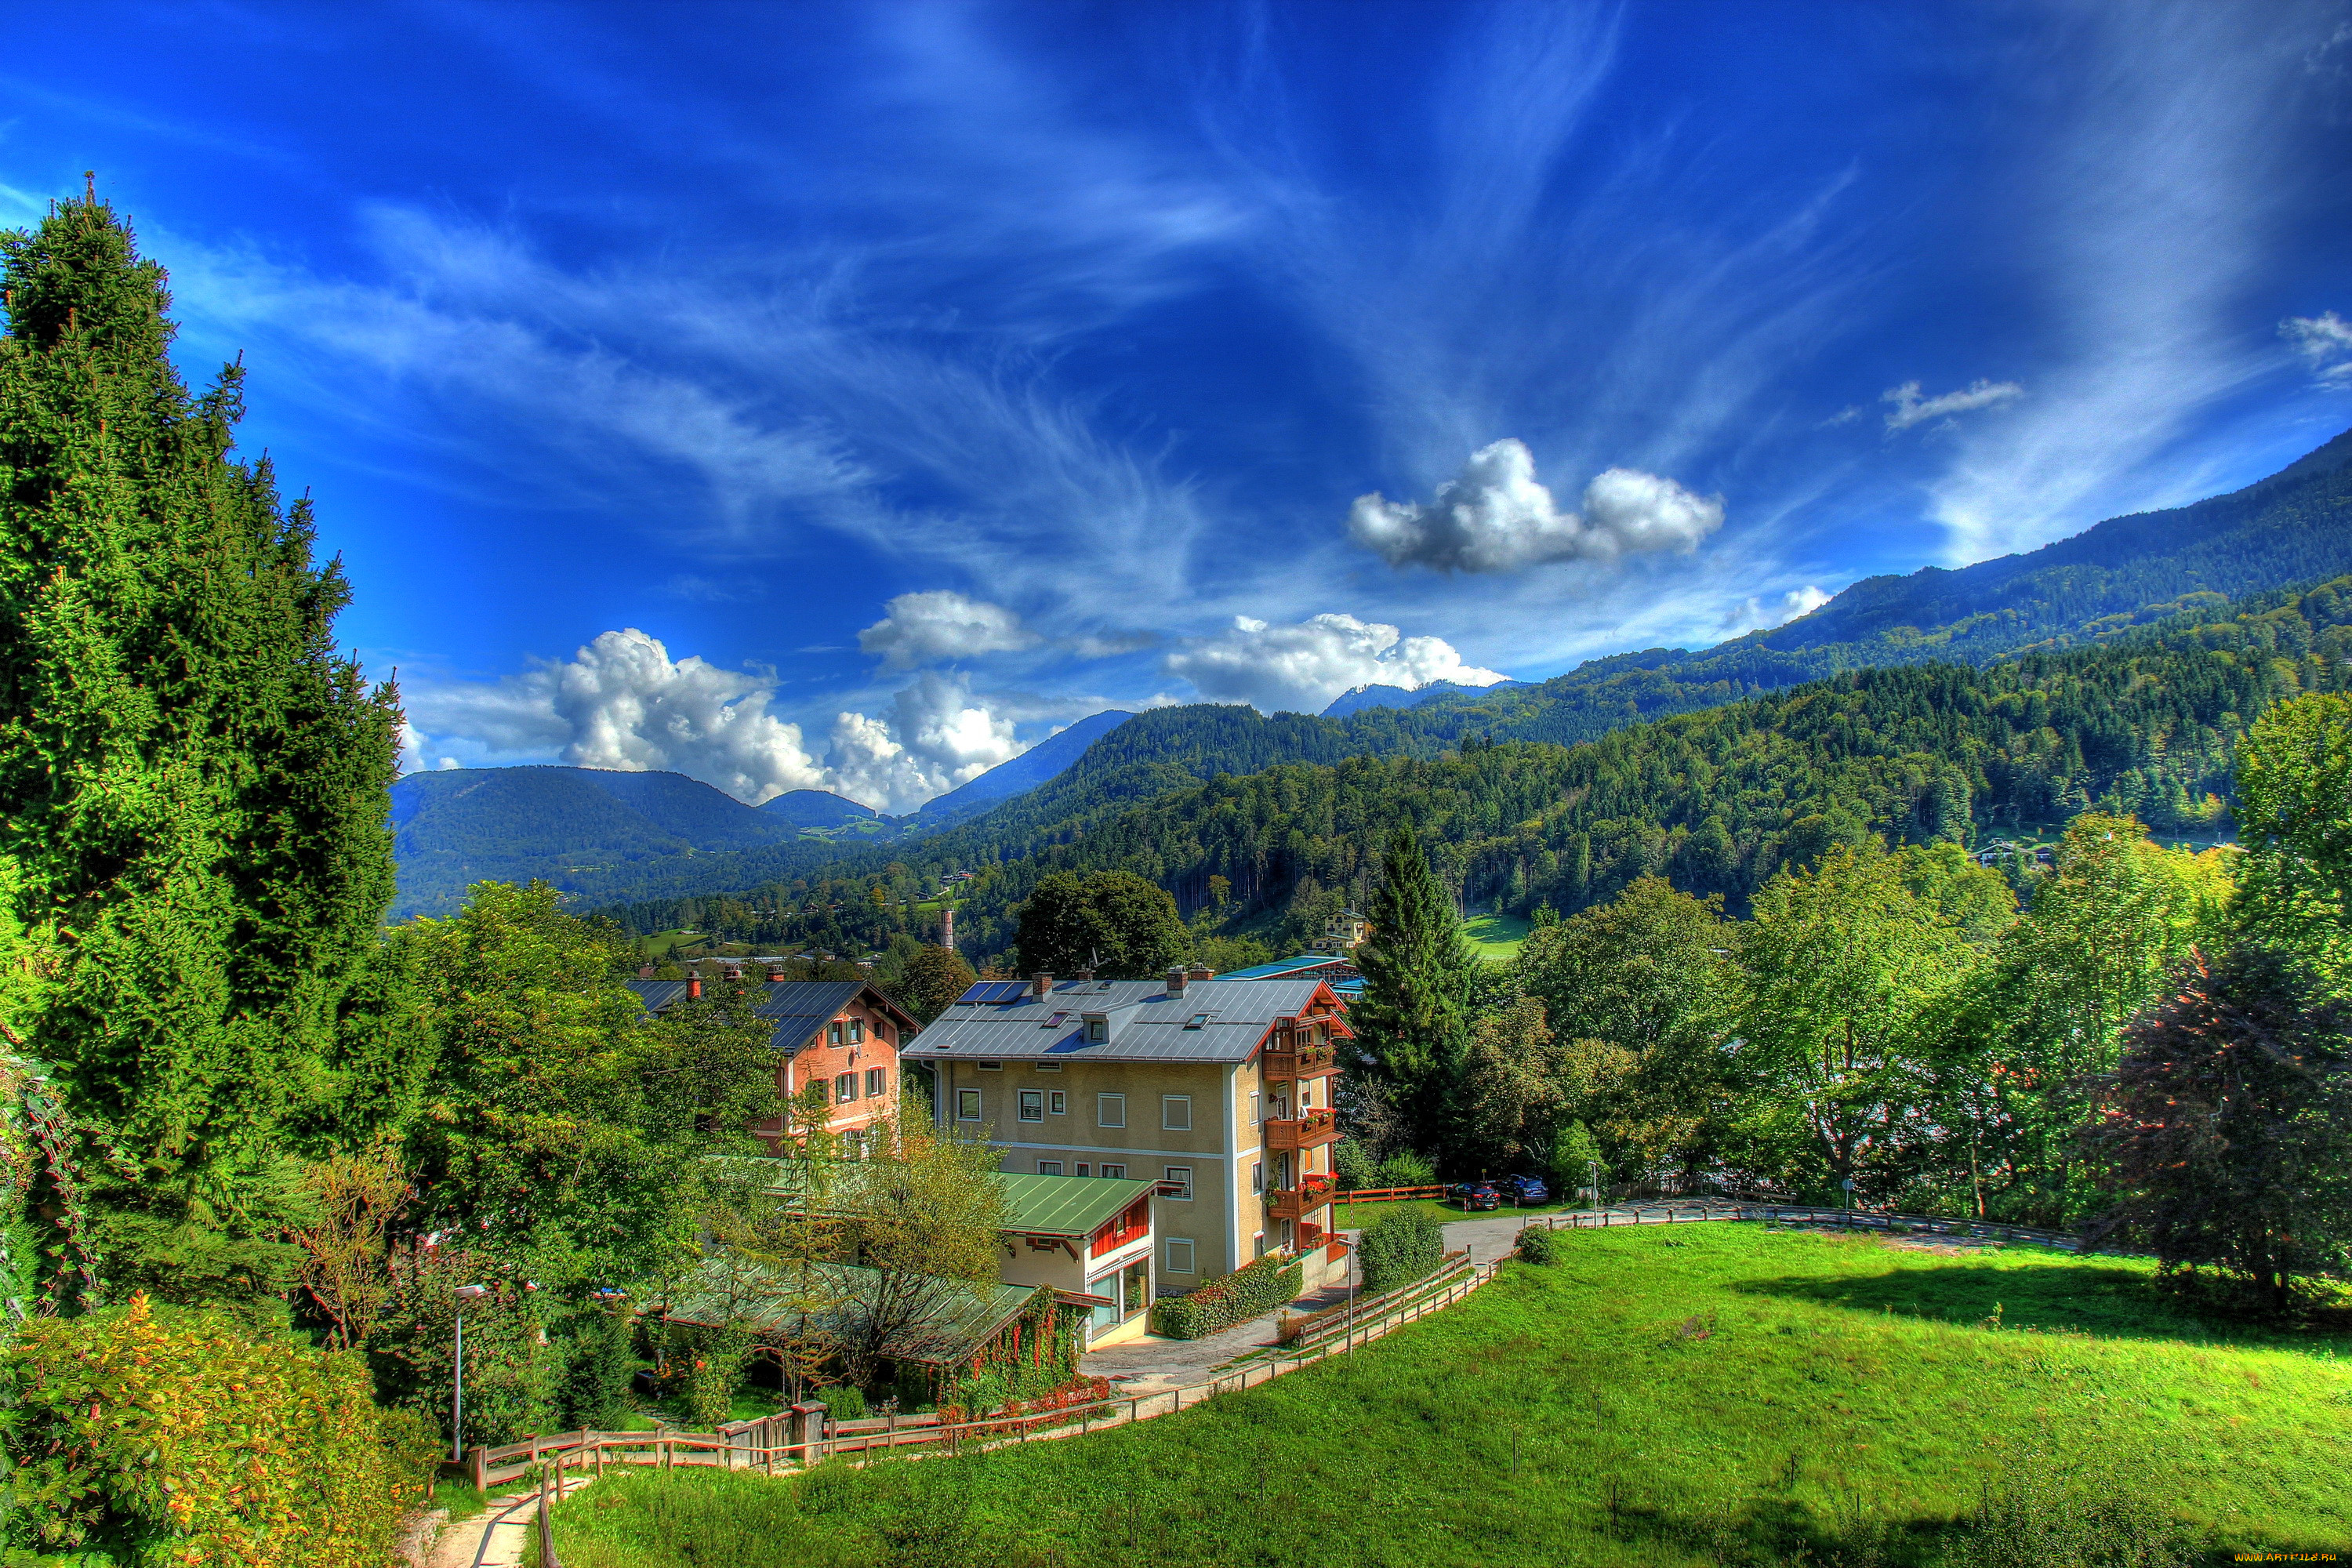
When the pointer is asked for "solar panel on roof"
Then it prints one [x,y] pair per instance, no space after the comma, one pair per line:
[991,991]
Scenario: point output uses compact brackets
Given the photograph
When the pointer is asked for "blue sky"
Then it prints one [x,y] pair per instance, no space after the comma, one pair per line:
[848,396]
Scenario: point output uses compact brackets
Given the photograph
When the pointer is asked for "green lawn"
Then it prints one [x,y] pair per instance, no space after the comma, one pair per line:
[1497,937]
[1355,1216]
[1701,1394]
[658,946]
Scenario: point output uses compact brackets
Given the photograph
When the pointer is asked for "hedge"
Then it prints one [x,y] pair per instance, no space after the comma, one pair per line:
[1234,1298]
[1399,1247]
[184,1440]
[1539,1244]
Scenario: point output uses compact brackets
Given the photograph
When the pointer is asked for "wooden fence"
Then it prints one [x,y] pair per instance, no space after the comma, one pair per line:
[1673,1213]
[1385,1195]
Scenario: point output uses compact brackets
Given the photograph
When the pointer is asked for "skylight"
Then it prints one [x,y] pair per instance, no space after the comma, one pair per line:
[1197,1020]
[1055,1022]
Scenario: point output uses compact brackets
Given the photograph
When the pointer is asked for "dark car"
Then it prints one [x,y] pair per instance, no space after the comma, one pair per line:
[1475,1196]
[1526,1190]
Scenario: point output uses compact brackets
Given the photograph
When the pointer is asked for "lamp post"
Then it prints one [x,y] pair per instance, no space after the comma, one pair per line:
[1592,1174]
[465,1294]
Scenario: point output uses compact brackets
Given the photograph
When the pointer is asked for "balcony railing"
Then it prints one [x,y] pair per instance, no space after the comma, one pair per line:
[1307,1060]
[1311,1130]
[1297,1203]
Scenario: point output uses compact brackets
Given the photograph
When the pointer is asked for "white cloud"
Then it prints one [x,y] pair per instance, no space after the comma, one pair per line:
[1300,668]
[925,628]
[622,702]
[1497,517]
[936,737]
[1754,614]
[2324,341]
[1910,408]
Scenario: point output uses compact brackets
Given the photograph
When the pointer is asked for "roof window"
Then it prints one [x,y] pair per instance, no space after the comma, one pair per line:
[1197,1020]
[1055,1022]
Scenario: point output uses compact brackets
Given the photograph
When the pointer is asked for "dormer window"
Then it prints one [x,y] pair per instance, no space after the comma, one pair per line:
[1097,1031]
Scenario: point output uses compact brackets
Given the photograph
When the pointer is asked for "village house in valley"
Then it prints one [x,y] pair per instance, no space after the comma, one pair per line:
[845,1034]
[1217,1092]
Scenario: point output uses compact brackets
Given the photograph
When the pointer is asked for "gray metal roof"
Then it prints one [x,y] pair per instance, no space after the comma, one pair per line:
[798,1007]
[1147,1024]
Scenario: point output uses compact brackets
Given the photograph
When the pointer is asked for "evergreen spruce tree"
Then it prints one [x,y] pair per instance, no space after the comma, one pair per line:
[193,779]
[1414,1019]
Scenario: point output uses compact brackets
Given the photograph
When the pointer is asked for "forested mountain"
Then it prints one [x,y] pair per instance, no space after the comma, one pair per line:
[568,825]
[1715,800]
[2120,576]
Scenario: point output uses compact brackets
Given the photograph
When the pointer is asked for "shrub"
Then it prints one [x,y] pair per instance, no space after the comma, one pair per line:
[513,1374]
[844,1402]
[1399,1249]
[176,1437]
[1404,1169]
[603,1361]
[1539,1245]
[1352,1166]
[1218,1303]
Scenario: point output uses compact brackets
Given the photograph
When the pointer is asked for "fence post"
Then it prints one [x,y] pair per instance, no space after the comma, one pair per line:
[482,1463]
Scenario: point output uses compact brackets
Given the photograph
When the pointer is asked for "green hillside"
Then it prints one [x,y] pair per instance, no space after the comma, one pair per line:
[1698,1395]
[1717,800]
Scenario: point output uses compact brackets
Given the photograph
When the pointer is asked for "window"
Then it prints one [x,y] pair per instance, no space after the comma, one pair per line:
[1082,1167]
[966,1105]
[844,1087]
[1196,1020]
[1258,1176]
[1181,1178]
[857,1031]
[1097,1031]
[1049,1167]
[1060,1103]
[1254,1099]
[849,1144]
[833,1033]
[1110,1111]
[990,1067]
[877,1081]
[1055,1022]
[1180,1255]
[1258,1241]
[1049,1066]
[1176,1112]
[1114,1173]
[1033,1105]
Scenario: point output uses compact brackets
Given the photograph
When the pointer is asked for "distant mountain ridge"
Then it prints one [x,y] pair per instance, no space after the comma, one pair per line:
[2122,574]
[1376,696]
[1032,767]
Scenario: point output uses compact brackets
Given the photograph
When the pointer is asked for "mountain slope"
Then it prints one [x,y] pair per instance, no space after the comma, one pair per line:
[1364,697]
[1032,767]
[1715,800]
[816,808]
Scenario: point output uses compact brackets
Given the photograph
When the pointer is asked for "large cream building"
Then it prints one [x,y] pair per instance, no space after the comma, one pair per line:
[1218,1091]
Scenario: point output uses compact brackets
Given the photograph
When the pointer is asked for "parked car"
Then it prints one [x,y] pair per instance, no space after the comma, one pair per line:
[1526,1190]
[1475,1196]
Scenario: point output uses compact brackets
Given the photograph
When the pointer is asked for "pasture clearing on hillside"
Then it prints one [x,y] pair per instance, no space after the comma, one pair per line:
[1718,1394]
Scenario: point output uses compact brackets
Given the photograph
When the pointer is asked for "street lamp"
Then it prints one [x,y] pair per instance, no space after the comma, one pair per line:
[465,1294]
[1592,1174]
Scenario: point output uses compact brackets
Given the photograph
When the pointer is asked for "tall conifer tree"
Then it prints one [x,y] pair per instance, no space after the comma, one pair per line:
[1413,1019]
[192,778]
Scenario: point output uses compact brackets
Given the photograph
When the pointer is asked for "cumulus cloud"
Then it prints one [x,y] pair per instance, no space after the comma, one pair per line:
[1910,408]
[1497,517]
[1301,668]
[2324,341]
[925,628]
[936,737]
[622,702]
[1755,613]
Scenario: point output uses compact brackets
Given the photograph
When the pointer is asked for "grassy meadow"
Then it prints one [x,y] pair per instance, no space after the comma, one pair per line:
[1701,1394]
[1496,937]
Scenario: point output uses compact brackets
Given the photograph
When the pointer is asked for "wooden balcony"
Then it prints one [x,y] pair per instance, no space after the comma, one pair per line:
[1303,1061]
[1297,1203]
[1311,1130]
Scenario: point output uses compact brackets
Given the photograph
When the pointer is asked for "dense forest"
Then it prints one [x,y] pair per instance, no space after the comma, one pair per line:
[1715,801]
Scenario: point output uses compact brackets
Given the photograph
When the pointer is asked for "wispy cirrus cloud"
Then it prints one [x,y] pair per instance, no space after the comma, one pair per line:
[1911,408]
[2324,341]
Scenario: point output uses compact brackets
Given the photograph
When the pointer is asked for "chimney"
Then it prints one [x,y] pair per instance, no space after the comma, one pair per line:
[1041,986]
[693,987]
[1084,974]
[1175,983]
[946,928]
[1201,972]
[734,971]
[775,974]
[644,971]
